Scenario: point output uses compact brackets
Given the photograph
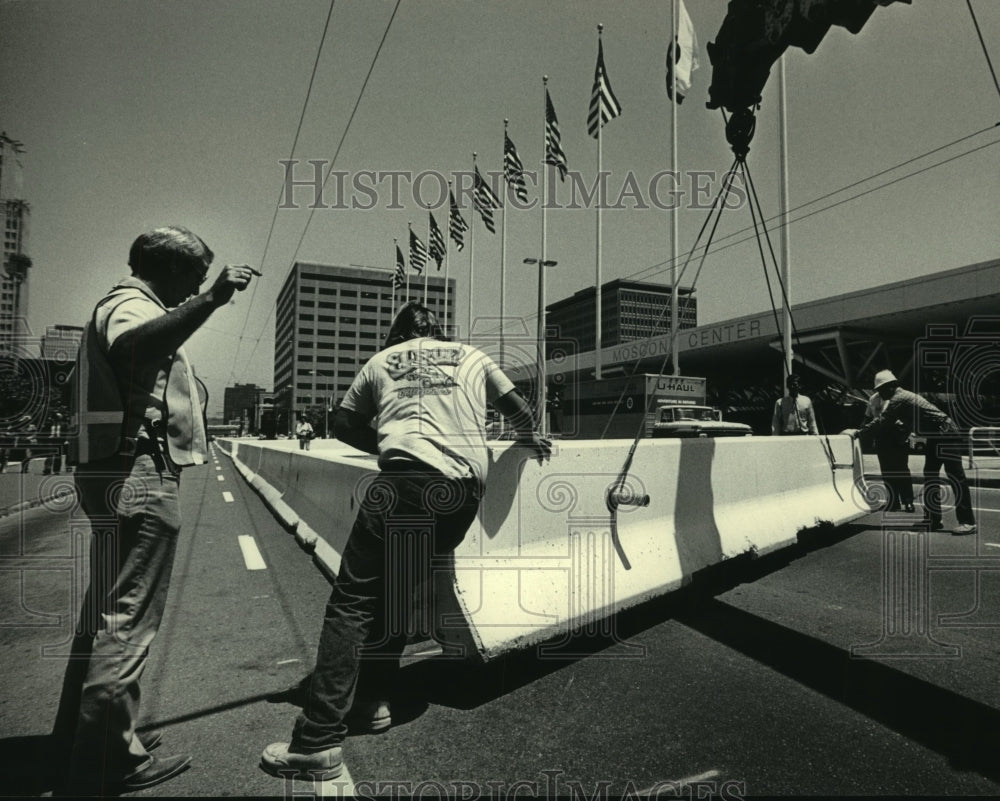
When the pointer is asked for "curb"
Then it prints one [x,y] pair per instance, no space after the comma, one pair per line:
[323,556]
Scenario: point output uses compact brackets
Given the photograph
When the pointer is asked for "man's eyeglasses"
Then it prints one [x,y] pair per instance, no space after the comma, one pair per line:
[198,268]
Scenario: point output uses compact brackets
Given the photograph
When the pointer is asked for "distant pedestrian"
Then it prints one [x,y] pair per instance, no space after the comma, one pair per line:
[140,422]
[304,431]
[891,442]
[907,411]
[794,414]
[429,399]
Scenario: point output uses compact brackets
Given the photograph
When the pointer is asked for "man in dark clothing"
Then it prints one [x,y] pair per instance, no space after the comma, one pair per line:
[892,446]
[904,409]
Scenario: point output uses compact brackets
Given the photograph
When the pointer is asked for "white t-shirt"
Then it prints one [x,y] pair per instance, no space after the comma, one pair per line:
[429,398]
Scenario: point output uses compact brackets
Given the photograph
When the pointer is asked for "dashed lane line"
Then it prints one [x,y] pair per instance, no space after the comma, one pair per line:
[228,497]
[251,554]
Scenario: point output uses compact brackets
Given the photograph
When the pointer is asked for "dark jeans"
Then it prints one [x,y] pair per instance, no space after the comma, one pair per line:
[408,524]
[946,452]
[894,462]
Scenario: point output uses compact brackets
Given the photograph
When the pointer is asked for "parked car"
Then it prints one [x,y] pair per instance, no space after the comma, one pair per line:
[696,421]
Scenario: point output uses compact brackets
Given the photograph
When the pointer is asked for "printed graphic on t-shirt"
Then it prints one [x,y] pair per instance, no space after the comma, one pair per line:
[422,370]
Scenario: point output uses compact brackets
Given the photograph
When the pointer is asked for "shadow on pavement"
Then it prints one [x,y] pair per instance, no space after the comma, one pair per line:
[965,731]
[31,765]
[463,684]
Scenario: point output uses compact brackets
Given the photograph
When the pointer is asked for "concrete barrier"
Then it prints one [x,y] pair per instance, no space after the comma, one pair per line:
[558,547]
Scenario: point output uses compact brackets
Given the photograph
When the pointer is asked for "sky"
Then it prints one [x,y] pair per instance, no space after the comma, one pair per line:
[144,113]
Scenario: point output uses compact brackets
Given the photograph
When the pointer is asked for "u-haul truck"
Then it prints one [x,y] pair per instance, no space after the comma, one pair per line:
[615,408]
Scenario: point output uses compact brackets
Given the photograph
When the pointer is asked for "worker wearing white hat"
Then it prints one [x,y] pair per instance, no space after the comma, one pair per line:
[891,445]
[905,410]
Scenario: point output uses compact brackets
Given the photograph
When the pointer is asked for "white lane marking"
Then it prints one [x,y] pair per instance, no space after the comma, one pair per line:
[221,478]
[341,787]
[288,661]
[251,555]
[218,467]
[227,497]
[701,777]
[992,544]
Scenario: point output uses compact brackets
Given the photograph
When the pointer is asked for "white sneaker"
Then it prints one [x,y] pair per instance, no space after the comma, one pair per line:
[319,765]
[965,528]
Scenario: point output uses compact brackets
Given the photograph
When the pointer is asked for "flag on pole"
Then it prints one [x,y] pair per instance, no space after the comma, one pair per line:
[513,169]
[418,253]
[685,56]
[604,106]
[436,242]
[484,201]
[399,277]
[458,224]
[553,140]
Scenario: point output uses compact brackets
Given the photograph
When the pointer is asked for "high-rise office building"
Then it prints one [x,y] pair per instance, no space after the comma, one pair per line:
[240,404]
[14,272]
[630,310]
[330,320]
[61,342]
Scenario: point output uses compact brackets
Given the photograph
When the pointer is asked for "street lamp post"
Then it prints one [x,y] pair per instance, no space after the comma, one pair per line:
[540,358]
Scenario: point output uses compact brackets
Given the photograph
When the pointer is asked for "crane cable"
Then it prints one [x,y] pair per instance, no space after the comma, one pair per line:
[333,161]
[277,203]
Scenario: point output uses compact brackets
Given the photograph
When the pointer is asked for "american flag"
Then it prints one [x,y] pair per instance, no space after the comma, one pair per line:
[418,253]
[399,277]
[484,201]
[604,106]
[513,169]
[437,242]
[553,148]
[458,224]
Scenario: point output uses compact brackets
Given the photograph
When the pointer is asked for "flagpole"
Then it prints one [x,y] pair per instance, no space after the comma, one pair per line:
[447,250]
[395,247]
[783,204]
[427,263]
[597,292]
[503,252]
[472,258]
[542,377]
[674,43]
[407,269]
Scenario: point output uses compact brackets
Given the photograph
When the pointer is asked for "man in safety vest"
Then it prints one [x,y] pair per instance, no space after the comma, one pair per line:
[140,421]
